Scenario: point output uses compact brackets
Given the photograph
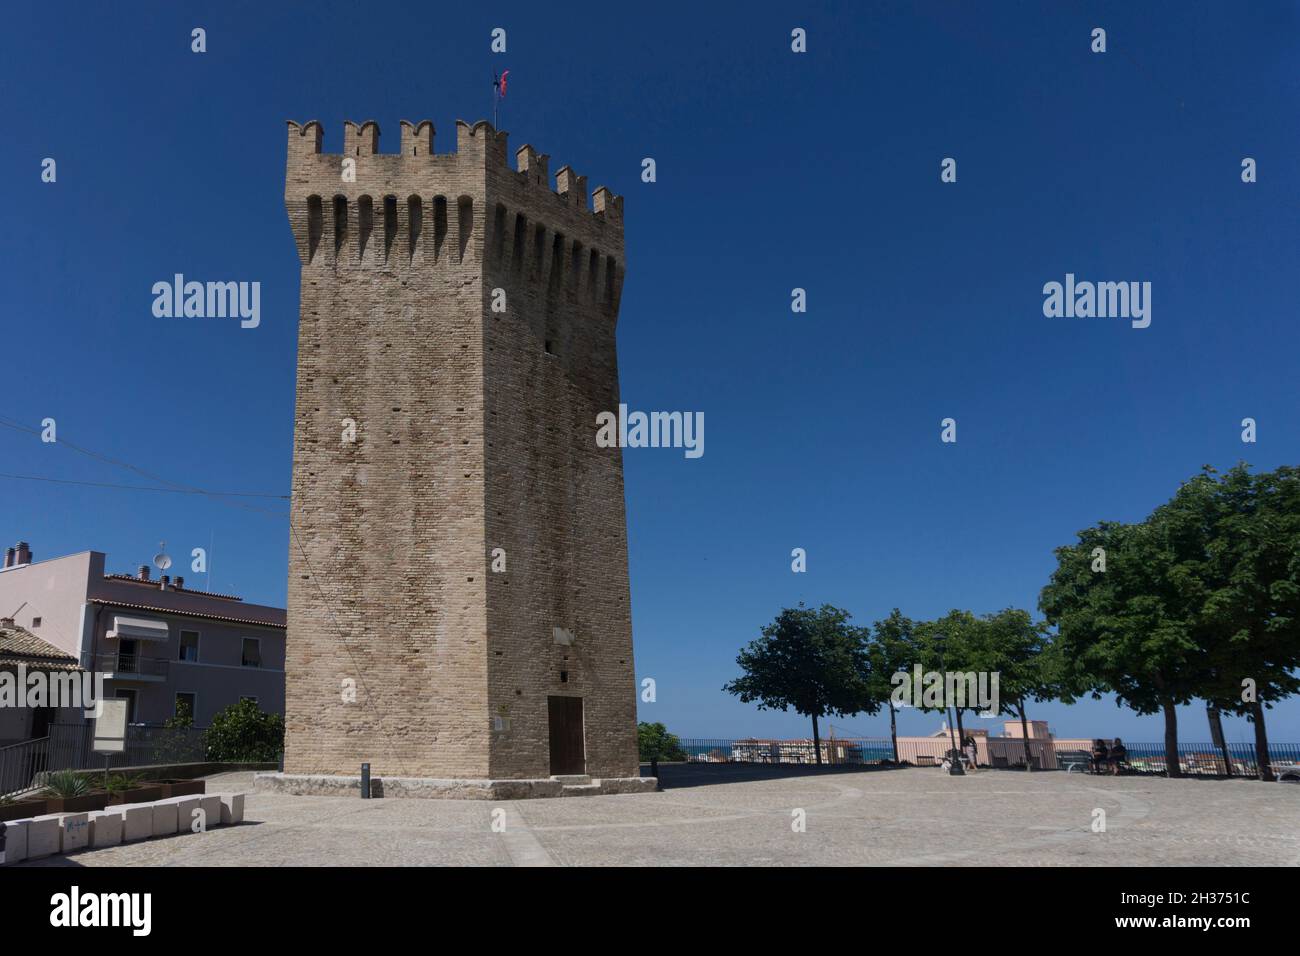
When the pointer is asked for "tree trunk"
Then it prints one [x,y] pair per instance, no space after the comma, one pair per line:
[1216,734]
[893,729]
[1172,766]
[1261,741]
[817,741]
[1024,732]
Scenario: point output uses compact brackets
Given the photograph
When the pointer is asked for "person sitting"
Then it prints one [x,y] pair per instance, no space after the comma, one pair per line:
[1100,756]
[1118,756]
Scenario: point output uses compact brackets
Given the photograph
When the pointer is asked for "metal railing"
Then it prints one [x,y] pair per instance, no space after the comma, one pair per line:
[1194,758]
[72,746]
[1207,759]
[21,762]
[127,664]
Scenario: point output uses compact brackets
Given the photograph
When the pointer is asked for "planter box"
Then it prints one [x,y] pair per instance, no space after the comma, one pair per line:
[182,788]
[145,794]
[96,800]
[23,809]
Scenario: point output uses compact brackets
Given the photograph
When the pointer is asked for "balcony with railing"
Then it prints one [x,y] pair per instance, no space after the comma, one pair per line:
[131,667]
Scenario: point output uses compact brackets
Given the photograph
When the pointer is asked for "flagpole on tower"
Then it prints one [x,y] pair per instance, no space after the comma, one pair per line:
[498,94]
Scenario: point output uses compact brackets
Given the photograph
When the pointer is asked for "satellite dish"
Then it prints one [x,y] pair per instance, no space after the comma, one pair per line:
[161,560]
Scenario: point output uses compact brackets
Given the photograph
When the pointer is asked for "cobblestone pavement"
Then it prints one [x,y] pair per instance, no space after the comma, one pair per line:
[740,816]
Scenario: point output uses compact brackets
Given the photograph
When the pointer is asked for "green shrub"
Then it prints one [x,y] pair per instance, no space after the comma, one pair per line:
[656,743]
[243,734]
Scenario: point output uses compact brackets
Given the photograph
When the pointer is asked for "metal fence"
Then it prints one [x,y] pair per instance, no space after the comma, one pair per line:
[133,664]
[20,763]
[1193,758]
[71,747]
[1207,759]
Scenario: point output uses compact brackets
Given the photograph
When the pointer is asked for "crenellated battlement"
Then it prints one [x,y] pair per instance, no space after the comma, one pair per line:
[479,148]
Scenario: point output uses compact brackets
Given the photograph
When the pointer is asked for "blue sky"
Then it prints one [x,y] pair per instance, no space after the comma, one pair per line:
[775,171]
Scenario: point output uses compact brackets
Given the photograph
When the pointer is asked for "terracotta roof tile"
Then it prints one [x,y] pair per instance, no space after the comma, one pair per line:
[171,610]
[20,646]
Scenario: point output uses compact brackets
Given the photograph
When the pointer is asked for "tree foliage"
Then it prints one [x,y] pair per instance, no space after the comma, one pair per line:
[656,743]
[244,734]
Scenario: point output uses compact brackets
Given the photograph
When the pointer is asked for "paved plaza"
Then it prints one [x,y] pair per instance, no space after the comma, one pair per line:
[735,815]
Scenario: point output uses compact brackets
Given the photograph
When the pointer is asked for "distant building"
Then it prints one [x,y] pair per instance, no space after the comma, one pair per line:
[756,750]
[21,654]
[159,644]
[1005,750]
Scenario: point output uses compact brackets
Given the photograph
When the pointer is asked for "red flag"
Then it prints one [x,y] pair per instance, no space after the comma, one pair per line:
[502,87]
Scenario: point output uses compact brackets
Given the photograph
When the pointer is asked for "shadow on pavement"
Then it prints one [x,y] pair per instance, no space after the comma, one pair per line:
[675,775]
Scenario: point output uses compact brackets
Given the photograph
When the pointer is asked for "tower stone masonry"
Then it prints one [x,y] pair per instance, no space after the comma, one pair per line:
[474,431]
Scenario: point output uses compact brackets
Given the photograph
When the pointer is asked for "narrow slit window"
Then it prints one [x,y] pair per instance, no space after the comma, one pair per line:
[464,224]
[521,236]
[439,225]
[315,225]
[365,224]
[415,223]
[390,224]
[499,234]
[340,222]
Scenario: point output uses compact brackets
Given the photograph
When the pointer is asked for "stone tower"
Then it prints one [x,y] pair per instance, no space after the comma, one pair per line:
[456,343]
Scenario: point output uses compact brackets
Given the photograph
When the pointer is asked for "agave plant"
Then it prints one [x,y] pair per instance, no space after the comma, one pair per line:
[66,784]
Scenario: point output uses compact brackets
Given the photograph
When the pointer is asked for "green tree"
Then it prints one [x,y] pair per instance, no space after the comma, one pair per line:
[243,734]
[177,741]
[1232,544]
[656,743]
[892,650]
[948,646]
[1124,629]
[1013,646]
[814,661]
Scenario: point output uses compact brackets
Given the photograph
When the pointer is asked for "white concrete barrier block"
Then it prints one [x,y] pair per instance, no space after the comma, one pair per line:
[211,805]
[186,808]
[232,807]
[166,821]
[74,831]
[42,836]
[106,828]
[15,841]
[137,820]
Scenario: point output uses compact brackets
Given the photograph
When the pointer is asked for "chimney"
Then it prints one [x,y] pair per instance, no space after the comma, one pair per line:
[143,572]
[22,553]
[9,557]
[180,582]
[166,580]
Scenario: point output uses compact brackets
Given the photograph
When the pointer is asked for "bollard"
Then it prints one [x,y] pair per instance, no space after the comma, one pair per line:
[365,781]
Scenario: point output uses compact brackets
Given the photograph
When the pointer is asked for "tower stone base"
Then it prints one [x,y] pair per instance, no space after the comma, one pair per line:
[430,788]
